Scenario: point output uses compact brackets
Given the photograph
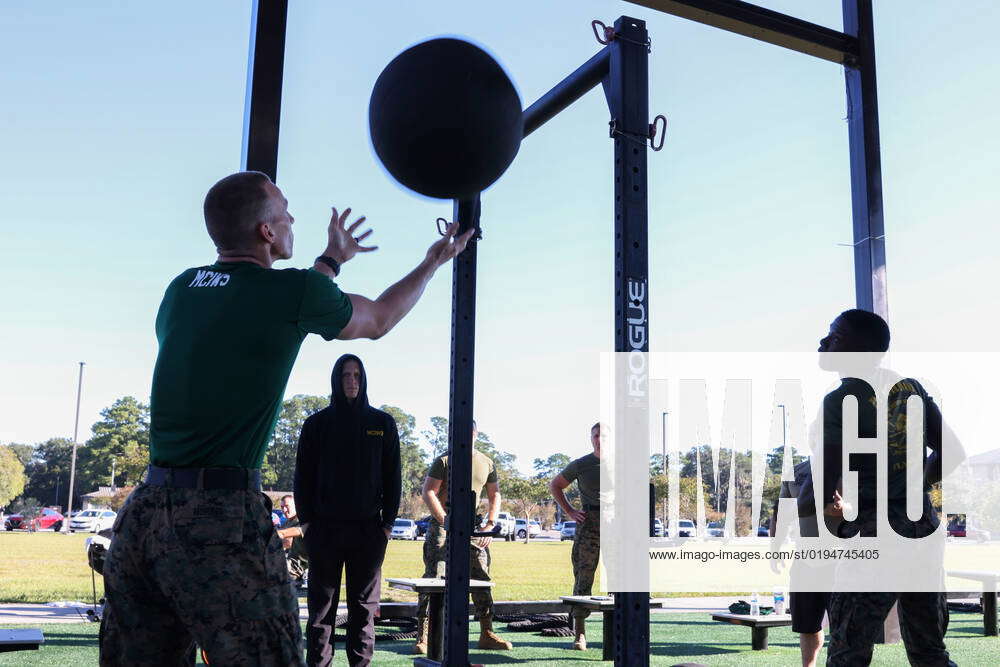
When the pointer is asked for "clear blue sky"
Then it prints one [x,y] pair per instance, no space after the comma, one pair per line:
[118,116]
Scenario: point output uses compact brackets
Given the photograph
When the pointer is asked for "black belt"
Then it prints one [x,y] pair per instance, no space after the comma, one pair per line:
[233,479]
[591,508]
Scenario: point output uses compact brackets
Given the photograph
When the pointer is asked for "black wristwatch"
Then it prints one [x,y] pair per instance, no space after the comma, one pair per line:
[331,262]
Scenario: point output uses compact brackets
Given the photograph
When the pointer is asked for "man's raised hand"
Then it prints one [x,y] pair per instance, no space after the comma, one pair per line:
[342,244]
[449,245]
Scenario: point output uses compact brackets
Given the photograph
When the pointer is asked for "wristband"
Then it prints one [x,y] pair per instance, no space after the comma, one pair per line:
[331,262]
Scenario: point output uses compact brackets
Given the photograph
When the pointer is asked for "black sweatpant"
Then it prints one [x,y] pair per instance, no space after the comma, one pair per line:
[358,546]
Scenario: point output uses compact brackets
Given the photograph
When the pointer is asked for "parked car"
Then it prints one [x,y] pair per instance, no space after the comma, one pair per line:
[686,528]
[43,519]
[557,526]
[978,534]
[92,521]
[763,531]
[423,525]
[714,529]
[404,529]
[957,527]
[507,525]
[568,531]
[658,528]
[522,528]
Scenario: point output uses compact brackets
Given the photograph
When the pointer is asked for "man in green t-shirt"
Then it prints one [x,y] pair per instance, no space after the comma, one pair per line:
[195,557]
[484,474]
[586,471]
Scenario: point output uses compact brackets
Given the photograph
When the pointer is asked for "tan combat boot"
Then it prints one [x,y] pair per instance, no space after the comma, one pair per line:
[420,648]
[579,634]
[491,640]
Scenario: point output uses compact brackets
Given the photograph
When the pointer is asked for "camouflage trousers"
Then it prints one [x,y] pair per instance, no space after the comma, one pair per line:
[586,553]
[193,566]
[435,556]
[856,620]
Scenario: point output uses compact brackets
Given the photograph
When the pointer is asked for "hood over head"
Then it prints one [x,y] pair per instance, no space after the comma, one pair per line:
[338,399]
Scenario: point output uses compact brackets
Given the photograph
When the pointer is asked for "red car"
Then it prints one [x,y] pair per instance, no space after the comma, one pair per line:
[45,519]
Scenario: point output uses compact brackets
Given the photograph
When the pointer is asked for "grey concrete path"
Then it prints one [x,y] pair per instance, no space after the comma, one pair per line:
[76,612]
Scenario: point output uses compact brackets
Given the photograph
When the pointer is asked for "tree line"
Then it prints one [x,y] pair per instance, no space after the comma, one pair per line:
[38,475]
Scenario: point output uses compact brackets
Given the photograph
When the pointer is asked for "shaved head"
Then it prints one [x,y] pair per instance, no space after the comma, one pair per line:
[233,208]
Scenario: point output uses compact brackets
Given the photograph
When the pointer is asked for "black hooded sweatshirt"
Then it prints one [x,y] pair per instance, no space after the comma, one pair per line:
[348,466]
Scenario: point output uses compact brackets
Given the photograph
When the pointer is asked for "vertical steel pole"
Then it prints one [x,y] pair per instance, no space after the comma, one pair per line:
[663,464]
[265,67]
[72,464]
[866,162]
[627,90]
[784,427]
[461,511]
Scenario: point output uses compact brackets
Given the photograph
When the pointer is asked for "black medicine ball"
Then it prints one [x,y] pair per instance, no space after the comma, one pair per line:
[445,119]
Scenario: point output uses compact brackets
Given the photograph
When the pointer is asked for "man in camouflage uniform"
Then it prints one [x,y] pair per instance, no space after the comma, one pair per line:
[435,555]
[195,557]
[856,618]
[586,471]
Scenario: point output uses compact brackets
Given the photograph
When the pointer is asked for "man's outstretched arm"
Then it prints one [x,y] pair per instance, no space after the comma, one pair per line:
[375,318]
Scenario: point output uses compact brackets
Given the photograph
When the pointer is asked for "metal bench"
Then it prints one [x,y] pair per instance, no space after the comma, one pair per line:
[435,609]
[20,639]
[606,606]
[759,625]
[989,581]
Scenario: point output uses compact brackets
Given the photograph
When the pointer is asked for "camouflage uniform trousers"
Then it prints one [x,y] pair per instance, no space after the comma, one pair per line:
[586,553]
[193,566]
[856,620]
[435,555]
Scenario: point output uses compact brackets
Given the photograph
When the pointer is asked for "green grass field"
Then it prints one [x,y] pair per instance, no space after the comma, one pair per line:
[675,638]
[43,567]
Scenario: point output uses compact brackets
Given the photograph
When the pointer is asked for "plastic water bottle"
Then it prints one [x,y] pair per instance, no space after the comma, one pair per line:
[754,605]
[779,601]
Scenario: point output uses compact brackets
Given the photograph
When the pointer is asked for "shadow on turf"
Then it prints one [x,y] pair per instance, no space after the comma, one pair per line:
[70,639]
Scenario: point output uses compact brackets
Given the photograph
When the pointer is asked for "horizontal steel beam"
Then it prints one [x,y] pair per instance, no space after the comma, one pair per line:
[567,91]
[766,25]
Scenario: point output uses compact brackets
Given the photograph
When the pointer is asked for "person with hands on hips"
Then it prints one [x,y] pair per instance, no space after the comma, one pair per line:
[586,471]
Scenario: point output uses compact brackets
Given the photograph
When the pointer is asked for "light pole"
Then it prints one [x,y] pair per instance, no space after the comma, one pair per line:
[784,428]
[72,464]
[663,463]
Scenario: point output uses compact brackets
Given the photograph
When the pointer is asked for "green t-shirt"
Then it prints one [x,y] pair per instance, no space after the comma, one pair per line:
[483,471]
[229,334]
[586,471]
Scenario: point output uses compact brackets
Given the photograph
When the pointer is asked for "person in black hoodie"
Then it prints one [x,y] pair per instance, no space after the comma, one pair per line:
[347,485]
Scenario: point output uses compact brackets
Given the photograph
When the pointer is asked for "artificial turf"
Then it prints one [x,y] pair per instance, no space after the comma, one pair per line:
[675,638]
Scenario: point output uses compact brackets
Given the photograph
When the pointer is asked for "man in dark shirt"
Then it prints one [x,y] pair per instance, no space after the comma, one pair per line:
[348,483]
[856,618]
[586,472]
[195,557]
[291,534]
